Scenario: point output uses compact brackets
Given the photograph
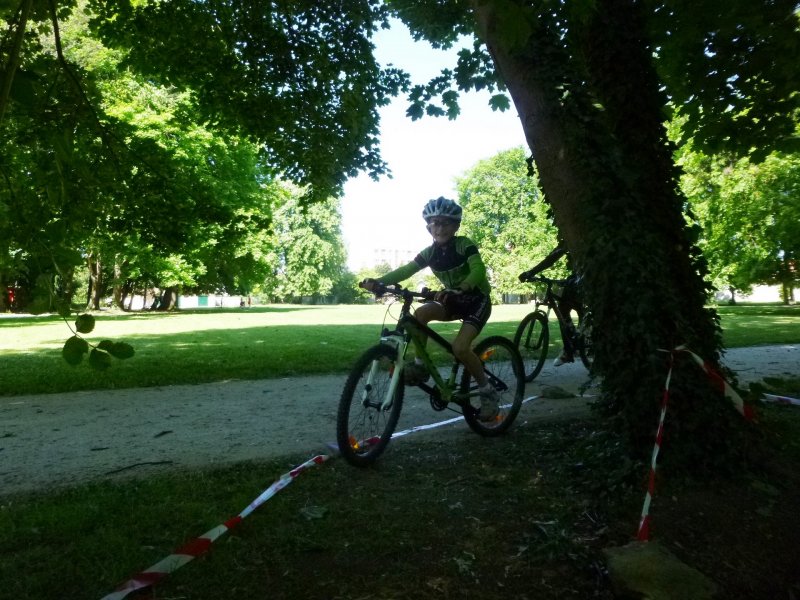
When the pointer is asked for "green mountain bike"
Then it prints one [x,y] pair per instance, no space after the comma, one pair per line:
[372,398]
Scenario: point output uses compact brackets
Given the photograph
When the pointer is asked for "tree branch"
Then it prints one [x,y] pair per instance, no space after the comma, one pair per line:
[13,58]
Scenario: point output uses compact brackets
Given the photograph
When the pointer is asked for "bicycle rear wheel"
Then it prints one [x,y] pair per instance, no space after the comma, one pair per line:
[533,339]
[583,343]
[363,427]
[503,367]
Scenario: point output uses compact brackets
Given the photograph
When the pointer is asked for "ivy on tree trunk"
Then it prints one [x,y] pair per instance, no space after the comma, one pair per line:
[592,114]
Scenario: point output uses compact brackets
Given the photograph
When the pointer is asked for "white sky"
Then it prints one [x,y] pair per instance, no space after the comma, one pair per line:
[425,156]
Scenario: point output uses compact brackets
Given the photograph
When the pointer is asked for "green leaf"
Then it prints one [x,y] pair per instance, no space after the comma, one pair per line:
[99,360]
[84,324]
[499,102]
[121,350]
[74,349]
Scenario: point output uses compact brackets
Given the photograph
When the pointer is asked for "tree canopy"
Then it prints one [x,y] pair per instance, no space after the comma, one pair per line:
[750,217]
[506,216]
[298,77]
[132,185]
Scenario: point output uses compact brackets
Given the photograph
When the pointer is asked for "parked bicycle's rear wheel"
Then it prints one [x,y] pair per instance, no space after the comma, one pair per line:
[583,343]
[363,426]
[503,367]
[533,340]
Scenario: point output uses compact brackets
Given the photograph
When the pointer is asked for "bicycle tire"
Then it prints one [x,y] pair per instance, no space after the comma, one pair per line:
[503,365]
[363,428]
[583,344]
[533,341]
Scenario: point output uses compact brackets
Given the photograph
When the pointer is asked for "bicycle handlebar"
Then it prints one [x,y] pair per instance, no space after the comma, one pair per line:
[400,292]
[543,279]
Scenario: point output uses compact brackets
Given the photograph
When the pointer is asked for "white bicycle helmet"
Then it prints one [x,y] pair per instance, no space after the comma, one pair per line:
[442,207]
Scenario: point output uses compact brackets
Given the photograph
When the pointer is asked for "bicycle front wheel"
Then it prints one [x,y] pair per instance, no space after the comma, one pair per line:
[532,339]
[364,426]
[503,367]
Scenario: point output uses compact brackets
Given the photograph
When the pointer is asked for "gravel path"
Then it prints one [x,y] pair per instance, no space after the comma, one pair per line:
[63,439]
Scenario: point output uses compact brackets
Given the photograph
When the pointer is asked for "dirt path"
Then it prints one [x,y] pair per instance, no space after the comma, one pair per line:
[62,439]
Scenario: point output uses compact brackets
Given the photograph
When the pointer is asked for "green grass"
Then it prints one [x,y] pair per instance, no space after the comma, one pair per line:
[267,342]
[203,346]
[756,324]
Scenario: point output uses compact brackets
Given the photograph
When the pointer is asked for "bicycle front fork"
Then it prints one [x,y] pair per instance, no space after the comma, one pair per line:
[400,345]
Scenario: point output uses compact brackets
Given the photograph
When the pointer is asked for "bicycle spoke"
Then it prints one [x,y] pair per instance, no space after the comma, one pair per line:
[504,371]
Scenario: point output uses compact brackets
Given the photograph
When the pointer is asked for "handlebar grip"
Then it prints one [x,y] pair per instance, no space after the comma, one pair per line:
[427,293]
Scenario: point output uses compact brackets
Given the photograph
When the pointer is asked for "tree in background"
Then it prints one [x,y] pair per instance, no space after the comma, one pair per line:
[750,216]
[121,181]
[506,216]
[297,76]
[308,251]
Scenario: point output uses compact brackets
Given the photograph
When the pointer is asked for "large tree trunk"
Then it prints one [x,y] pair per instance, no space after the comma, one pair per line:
[606,168]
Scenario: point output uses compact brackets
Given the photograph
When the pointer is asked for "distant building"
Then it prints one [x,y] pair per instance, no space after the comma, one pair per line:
[393,257]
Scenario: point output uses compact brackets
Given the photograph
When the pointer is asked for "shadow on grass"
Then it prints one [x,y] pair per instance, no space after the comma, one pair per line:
[207,355]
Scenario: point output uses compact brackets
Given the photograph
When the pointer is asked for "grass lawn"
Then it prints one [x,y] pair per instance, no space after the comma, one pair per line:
[264,342]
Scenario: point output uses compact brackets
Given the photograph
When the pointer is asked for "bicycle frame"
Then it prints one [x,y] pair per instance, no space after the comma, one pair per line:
[410,331]
[551,302]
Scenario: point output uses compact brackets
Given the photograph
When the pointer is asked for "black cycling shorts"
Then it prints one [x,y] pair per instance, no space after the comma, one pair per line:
[474,309]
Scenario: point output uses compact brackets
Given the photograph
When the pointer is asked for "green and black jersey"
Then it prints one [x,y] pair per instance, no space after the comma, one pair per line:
[457,265]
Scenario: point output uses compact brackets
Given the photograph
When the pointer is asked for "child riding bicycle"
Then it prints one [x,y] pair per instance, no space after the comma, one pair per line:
[569,300]
[457,264]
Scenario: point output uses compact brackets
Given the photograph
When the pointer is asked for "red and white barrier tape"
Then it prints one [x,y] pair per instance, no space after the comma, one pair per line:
[780,399]
[722,385]
[200,545]
[644,523]
[719,382]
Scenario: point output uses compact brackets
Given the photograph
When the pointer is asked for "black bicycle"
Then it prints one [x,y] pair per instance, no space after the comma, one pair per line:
[373,393]
[533,334]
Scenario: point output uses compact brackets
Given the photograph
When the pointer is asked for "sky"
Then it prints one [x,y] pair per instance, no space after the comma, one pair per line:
[424,156]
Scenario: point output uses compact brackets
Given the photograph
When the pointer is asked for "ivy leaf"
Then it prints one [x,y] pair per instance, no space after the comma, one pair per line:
[99,360]
[74,349]
[84,324]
